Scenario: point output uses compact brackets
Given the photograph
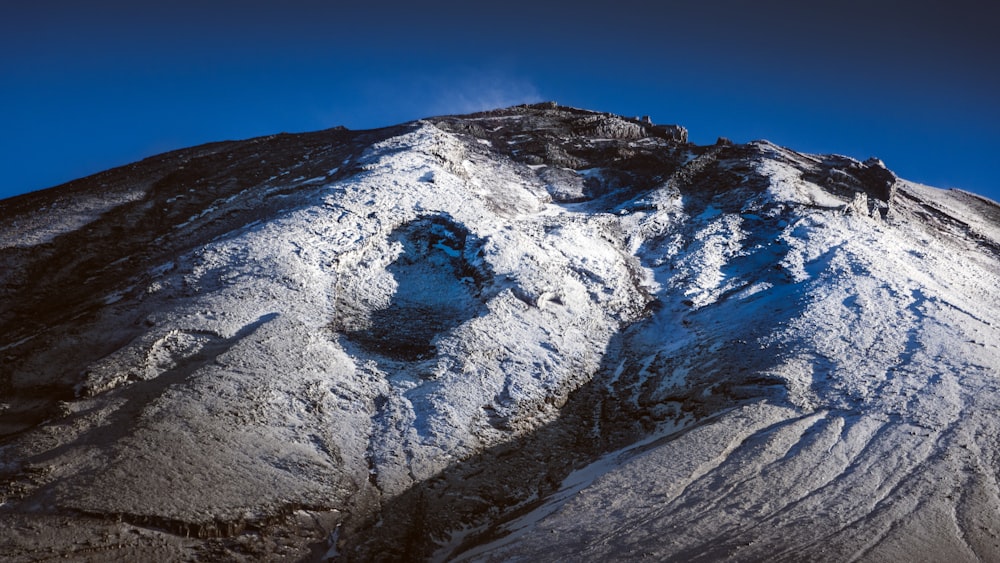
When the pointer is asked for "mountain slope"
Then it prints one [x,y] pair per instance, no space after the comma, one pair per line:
[531,332]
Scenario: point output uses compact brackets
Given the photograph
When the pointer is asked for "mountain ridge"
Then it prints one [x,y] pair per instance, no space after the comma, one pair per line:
[464,330]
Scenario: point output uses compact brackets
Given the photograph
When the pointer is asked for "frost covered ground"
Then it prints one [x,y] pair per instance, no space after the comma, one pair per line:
[536,333]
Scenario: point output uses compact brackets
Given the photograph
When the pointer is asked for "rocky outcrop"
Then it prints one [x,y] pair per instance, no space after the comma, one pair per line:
[878,180]
[670,132]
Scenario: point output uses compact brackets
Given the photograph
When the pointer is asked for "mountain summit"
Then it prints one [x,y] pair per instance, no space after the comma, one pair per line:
[534,333]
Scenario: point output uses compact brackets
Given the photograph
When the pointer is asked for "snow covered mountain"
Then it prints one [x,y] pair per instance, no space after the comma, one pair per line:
[537,333]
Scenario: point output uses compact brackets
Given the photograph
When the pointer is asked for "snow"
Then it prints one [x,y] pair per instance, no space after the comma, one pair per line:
[817,381]
[886,360]
[69,214]
[787,185]
[571,486]
[251,294]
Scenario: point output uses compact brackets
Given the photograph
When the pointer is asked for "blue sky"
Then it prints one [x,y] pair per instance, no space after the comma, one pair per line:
[85,86]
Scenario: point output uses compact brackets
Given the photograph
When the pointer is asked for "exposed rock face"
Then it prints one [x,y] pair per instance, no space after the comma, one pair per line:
[670,132]
[535,332]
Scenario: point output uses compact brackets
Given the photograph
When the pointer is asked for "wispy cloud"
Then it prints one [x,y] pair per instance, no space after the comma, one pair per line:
[476,90]
[413,94]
